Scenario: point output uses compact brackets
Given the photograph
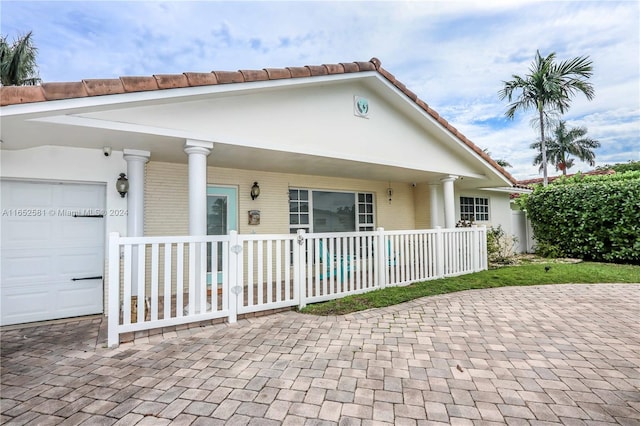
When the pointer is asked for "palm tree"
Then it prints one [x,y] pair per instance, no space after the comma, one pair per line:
[548,88]
[501,163]
[564,143]
[18,62]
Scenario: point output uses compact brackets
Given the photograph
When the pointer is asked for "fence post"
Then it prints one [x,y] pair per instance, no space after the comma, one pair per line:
[484,256]
[299,255]
[475,248]
[234,286]
[440,254]
[113,319]
[381,259]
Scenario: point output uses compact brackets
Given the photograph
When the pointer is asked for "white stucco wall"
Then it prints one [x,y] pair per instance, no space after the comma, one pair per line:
[55,163]
[500,211]
[315,120]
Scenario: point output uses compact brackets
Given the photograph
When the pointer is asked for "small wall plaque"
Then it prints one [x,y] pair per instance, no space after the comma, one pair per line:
[361,106]
[254,217]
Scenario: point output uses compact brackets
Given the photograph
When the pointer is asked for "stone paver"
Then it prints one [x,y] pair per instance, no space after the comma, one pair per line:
[561,354]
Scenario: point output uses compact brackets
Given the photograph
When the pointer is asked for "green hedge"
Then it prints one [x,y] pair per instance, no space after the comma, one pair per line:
[590,217]
[621,167]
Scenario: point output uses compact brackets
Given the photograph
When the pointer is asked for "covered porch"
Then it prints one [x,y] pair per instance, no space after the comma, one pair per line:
[157,282]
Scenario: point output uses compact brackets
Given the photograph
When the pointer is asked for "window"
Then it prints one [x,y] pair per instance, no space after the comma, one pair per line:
[474,209]
[365,212]
[330,211]
[333,211]
[298,210]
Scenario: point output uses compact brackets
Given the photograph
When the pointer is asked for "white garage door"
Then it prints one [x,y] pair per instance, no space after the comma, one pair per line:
[52,247]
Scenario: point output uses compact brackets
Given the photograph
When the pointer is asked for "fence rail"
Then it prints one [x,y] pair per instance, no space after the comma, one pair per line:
[166,281]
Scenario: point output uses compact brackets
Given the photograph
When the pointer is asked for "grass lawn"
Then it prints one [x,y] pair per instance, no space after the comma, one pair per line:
[524,274]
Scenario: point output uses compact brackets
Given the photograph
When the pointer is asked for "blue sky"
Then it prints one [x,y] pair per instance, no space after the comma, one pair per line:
[453,54]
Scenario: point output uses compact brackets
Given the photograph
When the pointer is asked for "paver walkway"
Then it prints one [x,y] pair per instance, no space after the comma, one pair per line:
[562,354]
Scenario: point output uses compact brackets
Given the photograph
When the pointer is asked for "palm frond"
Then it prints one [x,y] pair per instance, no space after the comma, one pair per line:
[563,143]
[18,62]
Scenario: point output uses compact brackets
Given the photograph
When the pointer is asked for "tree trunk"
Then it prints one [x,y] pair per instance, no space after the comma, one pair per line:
[543,147]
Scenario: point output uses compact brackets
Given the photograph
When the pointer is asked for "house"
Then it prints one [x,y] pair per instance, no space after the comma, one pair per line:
[336,147]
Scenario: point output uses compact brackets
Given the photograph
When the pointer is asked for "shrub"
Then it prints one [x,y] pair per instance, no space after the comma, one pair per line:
[549,250]
[589,217]
[621,167]
[500,246]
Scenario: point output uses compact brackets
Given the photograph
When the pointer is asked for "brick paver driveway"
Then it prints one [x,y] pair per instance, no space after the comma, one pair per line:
[567,354]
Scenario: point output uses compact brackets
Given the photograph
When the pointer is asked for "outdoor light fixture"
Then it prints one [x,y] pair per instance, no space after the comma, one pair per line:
[122,185]
[255,191]
[389,192]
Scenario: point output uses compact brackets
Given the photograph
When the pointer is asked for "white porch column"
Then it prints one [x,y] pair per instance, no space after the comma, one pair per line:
[434,209]
[197,152]
[135,207]
[449,201]
[135,197]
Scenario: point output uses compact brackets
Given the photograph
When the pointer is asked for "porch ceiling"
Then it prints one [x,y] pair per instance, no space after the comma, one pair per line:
[170,149]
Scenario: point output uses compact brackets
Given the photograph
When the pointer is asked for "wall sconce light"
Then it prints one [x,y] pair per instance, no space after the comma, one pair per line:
[389,193]
[255,191]
[122,185]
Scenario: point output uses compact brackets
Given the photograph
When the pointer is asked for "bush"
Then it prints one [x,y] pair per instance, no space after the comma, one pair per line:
[545,249]
[500,246]
[589,217]
[621,167]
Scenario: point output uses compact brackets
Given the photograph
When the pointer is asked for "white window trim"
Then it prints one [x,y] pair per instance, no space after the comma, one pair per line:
[309,227]
[475,205]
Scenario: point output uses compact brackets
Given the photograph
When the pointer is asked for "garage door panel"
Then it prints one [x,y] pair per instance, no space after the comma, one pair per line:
[79,296]
[25,231]
[41,255]
[27,303]
[21,266]
[78,265]
[74,197]
[78,232]
[24,304]
[22,195]
[47,265]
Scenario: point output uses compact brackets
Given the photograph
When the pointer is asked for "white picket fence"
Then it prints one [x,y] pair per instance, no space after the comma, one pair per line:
[167,281]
